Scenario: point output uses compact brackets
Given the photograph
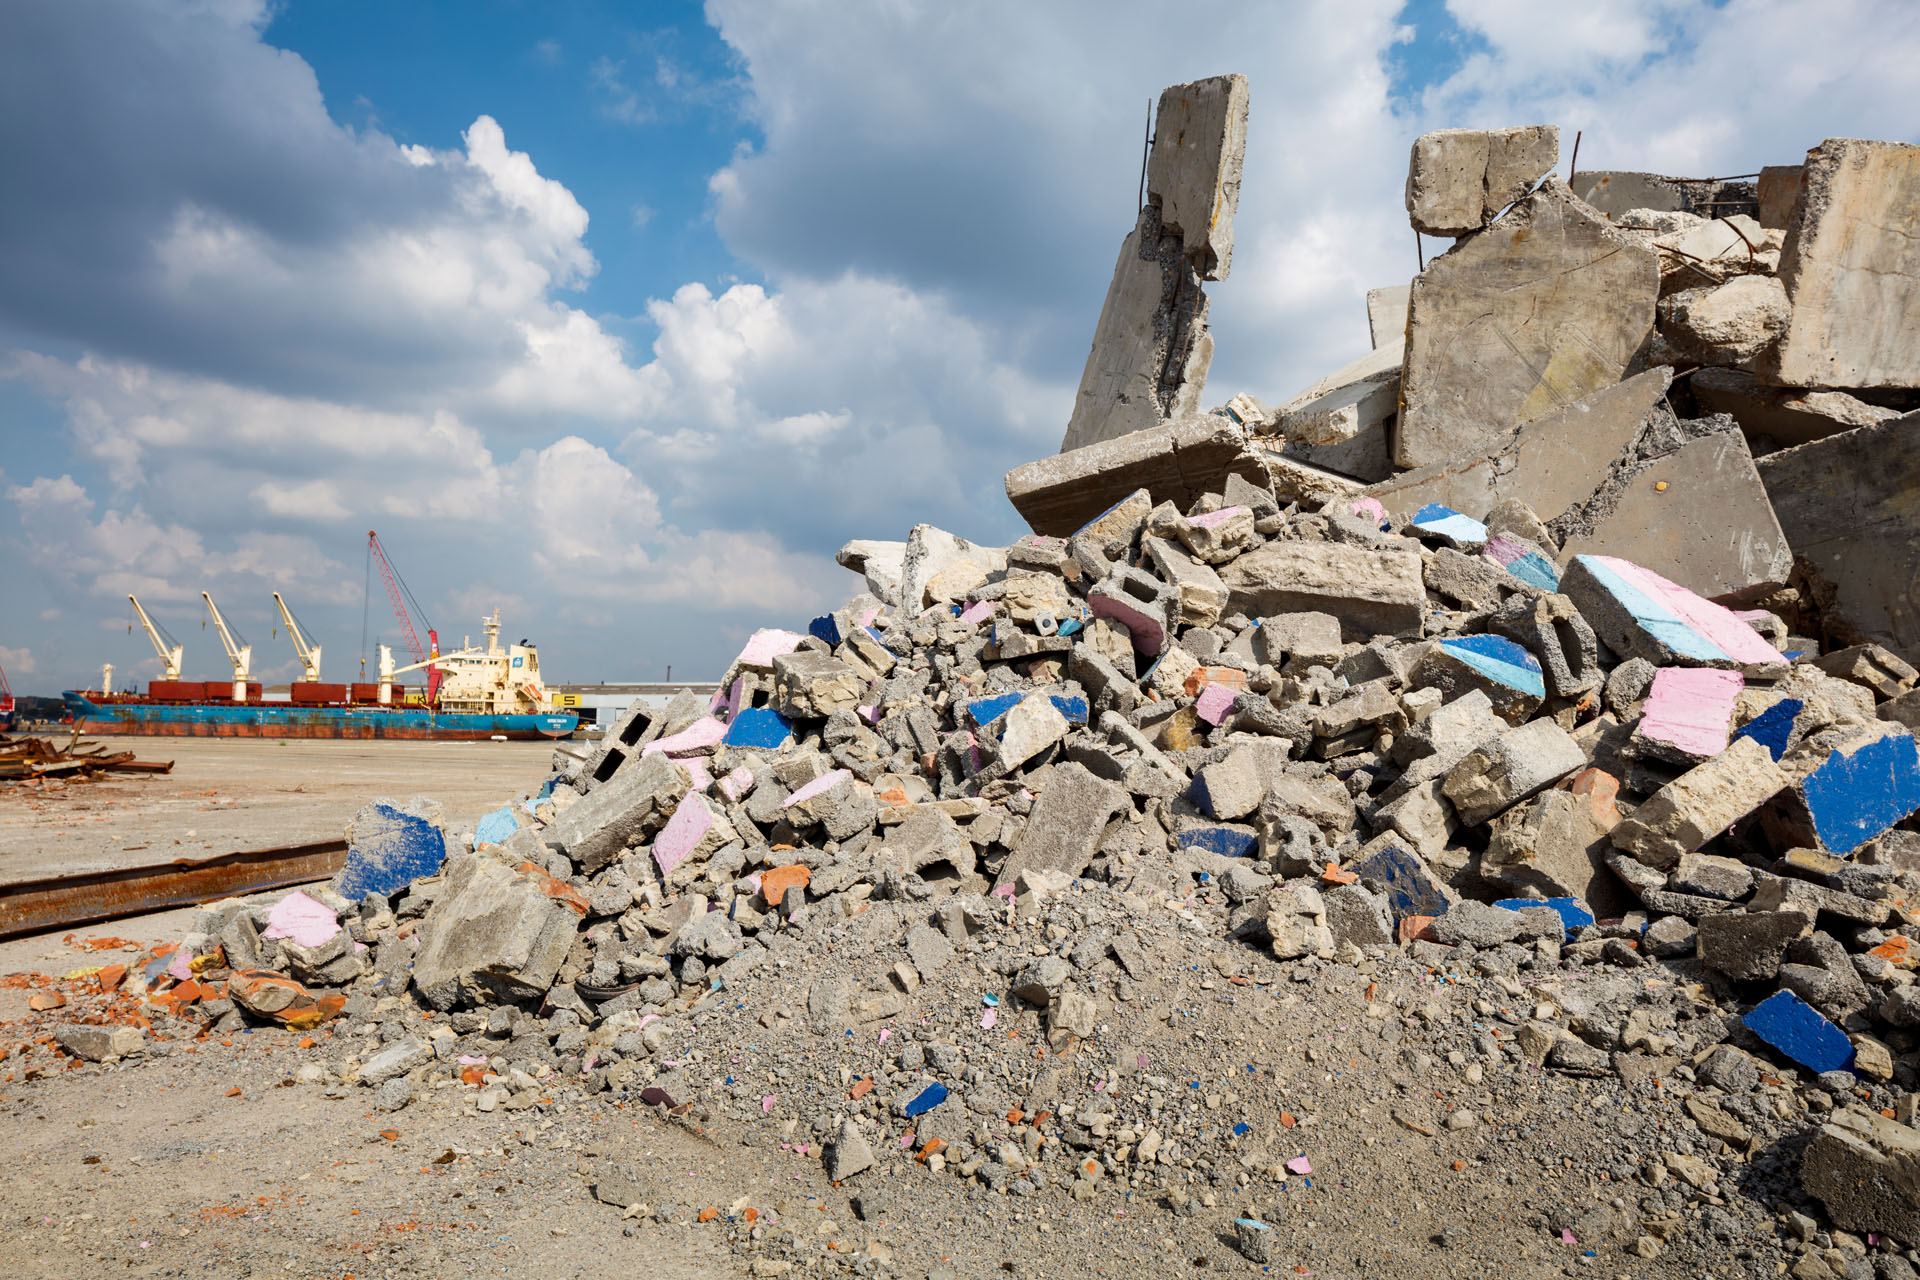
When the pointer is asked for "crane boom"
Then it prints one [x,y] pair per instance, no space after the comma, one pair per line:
[239,654]
[398,595]
[309,653]
[6,700]
[169,654]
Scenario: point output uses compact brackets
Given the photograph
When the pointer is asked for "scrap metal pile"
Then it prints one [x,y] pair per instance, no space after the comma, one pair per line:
[27,759]
[1551,692]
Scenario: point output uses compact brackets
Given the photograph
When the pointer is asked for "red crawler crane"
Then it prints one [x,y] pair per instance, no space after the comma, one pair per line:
[398,593]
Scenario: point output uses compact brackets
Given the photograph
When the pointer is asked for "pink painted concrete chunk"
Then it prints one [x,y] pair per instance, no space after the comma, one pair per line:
[682,834]
[697,770]
[1716,623]
[736,696]
[1148,637]
[823,783]
[1215,703]
[1691,708]
[302,920]
[738,785]
[1368,509]
[702,735]
[1211,518]
[764,646]
[978,611]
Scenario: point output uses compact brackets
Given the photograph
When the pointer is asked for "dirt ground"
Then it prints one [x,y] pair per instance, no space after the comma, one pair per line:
[229,795]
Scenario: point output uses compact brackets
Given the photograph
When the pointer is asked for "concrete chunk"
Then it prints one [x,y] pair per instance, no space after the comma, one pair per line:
[1519,763]
[1640,614]
[389,846]
[493,934]
[1542,309]
[623,810]
[1851,264]
[1068,820]
[1786,416]
[1199,146]
[1865,1169]
[1748,946]
[1459,180]
[1370,592]
[1700,804]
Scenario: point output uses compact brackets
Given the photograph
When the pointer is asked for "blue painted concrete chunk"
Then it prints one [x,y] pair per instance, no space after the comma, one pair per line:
[984,711]
[495,827]
[1228,842]
[1411,889]
[1536,570]
[825,628]
[1774,726]
[1657,619]
[758,727]
[1854,796]
[1074,709]
[1572,914]
[926,1100]
[1071,627]
[1433,511]
[1447,523]
[389,846]
[1796,1029]
[1499,659]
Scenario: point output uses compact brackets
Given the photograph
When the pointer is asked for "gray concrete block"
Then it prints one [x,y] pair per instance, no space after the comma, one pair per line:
[491,936]
[1370,592]
[1851,265]
[1458,180]
[1199,146]
[1068,820]
[625,809]
[1519,763]
[1700,804]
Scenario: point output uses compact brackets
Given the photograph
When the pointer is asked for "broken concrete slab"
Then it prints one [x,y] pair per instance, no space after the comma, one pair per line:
[1640,614]
[1851,265]
[1701,803]
[1342,421]
[931,551]
[1199,146]
[1458,180]
[1553,464]
[1518,764]
[1542,309]
[1730,323]
[1617,192]
[1176,462]
[1699,515]
[1370,592]
[1783,416]
[1865,1168]
[1846,504]
[389,846]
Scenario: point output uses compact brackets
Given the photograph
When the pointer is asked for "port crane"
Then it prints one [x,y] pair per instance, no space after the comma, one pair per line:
[6,701]
[239,654]
[398,594]
[309,653]
[168,648]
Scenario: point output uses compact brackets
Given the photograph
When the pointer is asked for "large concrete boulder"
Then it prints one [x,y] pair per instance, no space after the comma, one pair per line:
[1865,1169]
[1546,306]
[1370,592]
[493,935]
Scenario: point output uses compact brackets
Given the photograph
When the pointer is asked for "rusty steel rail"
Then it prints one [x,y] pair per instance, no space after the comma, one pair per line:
[60,902]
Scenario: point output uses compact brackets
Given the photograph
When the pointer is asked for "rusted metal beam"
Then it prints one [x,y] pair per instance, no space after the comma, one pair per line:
[61,902]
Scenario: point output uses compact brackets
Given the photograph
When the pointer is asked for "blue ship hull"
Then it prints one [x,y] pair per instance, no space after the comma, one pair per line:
[288,720]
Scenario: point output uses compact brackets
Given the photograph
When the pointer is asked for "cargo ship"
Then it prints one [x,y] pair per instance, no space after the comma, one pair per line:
[472,694]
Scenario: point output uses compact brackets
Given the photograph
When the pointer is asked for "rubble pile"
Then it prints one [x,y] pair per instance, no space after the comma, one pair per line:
[1487,705]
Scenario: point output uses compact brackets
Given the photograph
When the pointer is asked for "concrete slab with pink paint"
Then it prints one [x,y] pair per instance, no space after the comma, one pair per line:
[702,735]
[978,611]
[695,829]
[1690,710]
[1643,615]
[1208,519]
[824,783]
[738,785]
[765,645]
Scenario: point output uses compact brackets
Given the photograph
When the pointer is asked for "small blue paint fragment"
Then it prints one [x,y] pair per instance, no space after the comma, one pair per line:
[1074,709]
[1071,627]
[929,1098]
[1242,1129]
[391,849]
[1774,726]
[1535,570]
[546,790]
[1499,659]
[984,711]
[990,1000]
[1796,1029]
[761,727]
[1572,914]
[878,638]
[1228,842]
[1443,521]
[1855,795]
[826,628]
[495,827]
[1412,890]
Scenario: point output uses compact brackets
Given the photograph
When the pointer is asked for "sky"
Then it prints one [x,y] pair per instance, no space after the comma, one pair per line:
[622,318]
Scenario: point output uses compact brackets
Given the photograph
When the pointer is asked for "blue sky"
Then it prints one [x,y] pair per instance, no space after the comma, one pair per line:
[621,318]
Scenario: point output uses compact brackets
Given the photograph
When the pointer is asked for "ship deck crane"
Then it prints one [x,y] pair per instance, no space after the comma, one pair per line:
[239,654]
[398,593]
[6,701]
[309,653]
[168,648]
[388,671]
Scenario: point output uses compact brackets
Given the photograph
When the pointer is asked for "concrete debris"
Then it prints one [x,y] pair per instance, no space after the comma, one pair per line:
[1559,758]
